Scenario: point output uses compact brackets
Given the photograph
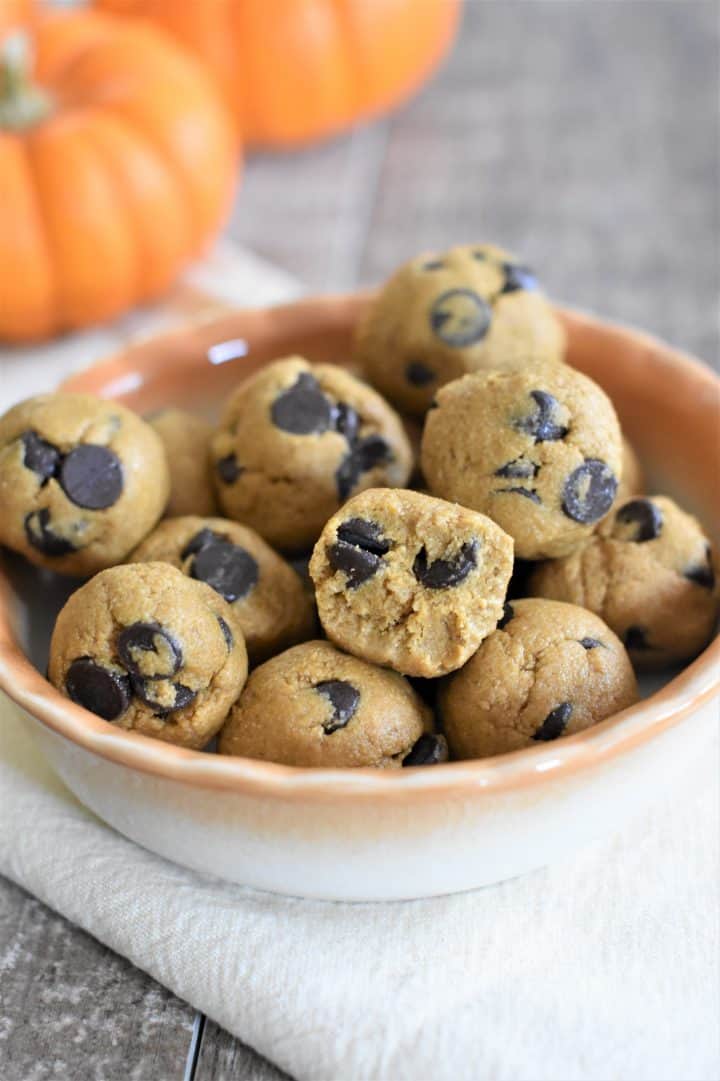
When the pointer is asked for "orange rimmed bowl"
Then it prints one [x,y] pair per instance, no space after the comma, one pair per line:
[373,834]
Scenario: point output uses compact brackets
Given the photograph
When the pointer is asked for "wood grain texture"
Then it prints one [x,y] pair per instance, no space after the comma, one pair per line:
[585,136]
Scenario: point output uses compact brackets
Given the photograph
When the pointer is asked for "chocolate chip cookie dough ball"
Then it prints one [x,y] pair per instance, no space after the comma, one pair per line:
[632,475]
[441,316]
[539,451]
[316,706]
[549,670]
[296,440]
[272,607]
[649,572]
[152,651]
[81,481]
[186,439]
[409,581]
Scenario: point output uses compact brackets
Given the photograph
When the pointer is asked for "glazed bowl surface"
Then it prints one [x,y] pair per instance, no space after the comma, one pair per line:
[372,834]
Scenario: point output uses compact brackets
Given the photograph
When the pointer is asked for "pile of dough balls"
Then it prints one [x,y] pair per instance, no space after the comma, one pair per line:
[451,555]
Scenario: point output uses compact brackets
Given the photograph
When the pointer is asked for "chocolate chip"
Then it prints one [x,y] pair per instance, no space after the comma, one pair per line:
[433,264]
[200,540]
[358,552]
[703,574]
[589,491]
[460,317]
[226,633]
[508,614]
[302,409]
[443,573]
[591,643]
[92,476]
[480,255]
[541,424]
[518,277]
[364,455]
[228,469]
[41,536]
[636,638]
[346,421]
[419,374]
[98,689]
[519,467]
[147,691]
[643,516]
[344,699]
[555,723]
[39,456]
[229,569]
[529,493]
[149,651]
[430,749]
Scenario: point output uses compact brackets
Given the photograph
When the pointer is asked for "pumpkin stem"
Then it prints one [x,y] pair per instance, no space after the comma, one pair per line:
[21,103]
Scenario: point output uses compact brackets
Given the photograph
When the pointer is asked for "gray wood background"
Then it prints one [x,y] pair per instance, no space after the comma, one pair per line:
[582,134]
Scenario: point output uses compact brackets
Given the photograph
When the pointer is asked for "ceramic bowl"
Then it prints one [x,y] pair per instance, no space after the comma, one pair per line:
[371,834]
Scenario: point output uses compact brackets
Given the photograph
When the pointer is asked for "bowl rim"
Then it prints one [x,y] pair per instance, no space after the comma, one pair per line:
[686,692]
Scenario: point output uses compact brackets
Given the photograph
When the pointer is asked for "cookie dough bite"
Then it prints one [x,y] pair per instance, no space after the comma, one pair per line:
[186,439]
[152,651]
[632,477]
[649,572]
[82,481]
[316,706]
[272,607]
[409,581]
[440,316]
[539,451]
[549,670]
[296,440]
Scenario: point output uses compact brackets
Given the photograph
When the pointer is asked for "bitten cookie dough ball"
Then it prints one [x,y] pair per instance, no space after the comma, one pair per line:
[272,607]
[150,650]
[295,441]
[538,451]
[441,316]
[316,706]
[410,581]
[81,481]
[186,439]
[632,477]
[649,572]
[549,670]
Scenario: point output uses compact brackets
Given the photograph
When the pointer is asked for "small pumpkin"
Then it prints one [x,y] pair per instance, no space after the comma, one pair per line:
[117,164]
[297,70]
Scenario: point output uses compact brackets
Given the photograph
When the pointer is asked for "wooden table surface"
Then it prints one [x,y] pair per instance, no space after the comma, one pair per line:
[582,134]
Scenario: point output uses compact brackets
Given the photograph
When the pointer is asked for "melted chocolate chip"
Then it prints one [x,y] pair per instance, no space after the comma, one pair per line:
[364,455]
[443,573]
[555,723]
[359,550]
[591,643]
[229,569]
[636,638]
[98,689]
[518,277]
[346,421]
[148,651]
[228,469]
[519,467]
[460,317]
[302,409]
[541,424]
[200,540]
[226,633]
[419,374]
[92,476]
[529,493]
[704,573]
[644,518]
[39,456]
[41,536]
[508,614]
[589,491]
[344,699]
[433,264]
[147,692]
[430,749]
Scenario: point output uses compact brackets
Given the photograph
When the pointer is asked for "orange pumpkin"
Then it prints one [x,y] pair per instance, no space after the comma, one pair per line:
[296,70]
[116,167]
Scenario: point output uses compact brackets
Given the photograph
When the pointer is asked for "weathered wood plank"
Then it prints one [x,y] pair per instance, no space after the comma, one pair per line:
[71,1009]
[223,1058]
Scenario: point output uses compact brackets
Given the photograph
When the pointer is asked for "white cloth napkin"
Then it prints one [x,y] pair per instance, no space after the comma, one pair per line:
[604,967]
